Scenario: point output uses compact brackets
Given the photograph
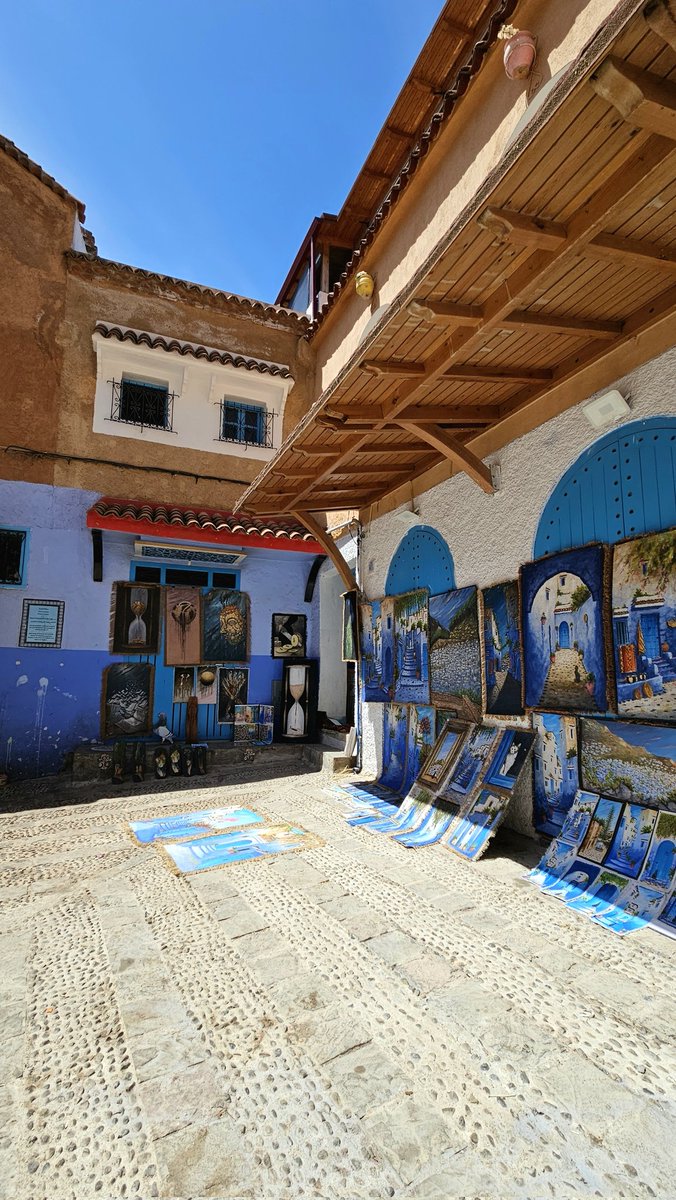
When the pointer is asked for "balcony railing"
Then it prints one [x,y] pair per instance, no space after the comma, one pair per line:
[141,404]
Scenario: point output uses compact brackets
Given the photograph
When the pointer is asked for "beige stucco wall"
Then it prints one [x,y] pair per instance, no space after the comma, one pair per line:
[465,152]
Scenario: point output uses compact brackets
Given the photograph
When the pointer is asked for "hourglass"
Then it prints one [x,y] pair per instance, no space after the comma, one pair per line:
[295,718]
[138,634]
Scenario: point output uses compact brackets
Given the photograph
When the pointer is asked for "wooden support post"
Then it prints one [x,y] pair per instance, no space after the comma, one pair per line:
[320,535]
[455,452]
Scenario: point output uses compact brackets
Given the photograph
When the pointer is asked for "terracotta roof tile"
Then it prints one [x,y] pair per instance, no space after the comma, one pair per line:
[219,522]
[156,341]
[36,170]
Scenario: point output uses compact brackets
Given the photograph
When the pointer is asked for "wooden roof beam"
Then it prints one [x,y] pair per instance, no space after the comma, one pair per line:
[571,326]
[640,254]
[326,541]
[392,366]
[497,374]
[661,18]
[642,99]
[508,226]
[429,414]
[455,452]
[444,311]
[454,27]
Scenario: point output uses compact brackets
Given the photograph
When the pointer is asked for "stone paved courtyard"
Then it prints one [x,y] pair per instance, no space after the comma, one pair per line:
[353,1021]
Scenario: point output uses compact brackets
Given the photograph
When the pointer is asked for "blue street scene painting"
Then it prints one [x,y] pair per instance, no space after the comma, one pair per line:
[578,819]
[601,830]
[455,652]
[660,867]
[558,857]
[471,760]
[226,848]
[666,921]
[502,650]
[629,761]
[555,770]
[577,878]
[192,824]
[420,739]
[411,660]
[470,836]
[395,729]
[644,626]
[631,840]
[563,631]
[603,892]
[506,765]
[377,649]
[440,760]
[636,906]
[433,829]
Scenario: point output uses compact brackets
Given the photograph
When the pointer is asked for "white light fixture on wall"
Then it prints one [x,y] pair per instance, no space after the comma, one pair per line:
[605,409]
[407,517]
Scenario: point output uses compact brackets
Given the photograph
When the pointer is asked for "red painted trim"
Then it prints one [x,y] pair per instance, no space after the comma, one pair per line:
[162,529]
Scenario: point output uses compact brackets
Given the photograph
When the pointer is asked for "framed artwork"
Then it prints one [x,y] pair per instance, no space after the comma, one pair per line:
[644,626]
[510,756]
[411,648]
[126,697]
[628,761]
[632,838]
[443,754]
[135,618]
[206,687]
[660,868]
[246,714]
[350,629]
[455,652]
[184,684]
[563,606]
[289,635]
[42,623]
[601,830]
[469,835]
[471,761]
[420,738]
[225,626]
[299,701]
[555,770]
[503,669]
[233,689]
[376,640]
[182,626]
[395,728]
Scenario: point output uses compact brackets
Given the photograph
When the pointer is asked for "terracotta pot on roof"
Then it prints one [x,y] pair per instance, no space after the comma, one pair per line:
[519,54]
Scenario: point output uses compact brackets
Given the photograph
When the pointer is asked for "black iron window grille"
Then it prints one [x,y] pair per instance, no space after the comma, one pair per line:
[147,405]
[12,555]
[248,424]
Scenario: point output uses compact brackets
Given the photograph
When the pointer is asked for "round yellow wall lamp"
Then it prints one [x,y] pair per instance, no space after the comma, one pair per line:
[364,284]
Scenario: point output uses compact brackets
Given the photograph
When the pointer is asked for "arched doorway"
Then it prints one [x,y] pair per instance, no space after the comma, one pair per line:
[622,485]
[564,636]
[422,559]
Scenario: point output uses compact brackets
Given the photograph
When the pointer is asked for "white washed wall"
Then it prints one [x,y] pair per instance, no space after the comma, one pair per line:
[491,536]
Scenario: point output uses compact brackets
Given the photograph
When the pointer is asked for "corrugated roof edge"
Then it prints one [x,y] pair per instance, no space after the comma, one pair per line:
[157,341]
[89,264]
[35,169]
[450,98]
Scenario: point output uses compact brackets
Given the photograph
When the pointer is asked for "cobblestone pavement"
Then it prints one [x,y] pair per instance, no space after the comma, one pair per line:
[354,1021]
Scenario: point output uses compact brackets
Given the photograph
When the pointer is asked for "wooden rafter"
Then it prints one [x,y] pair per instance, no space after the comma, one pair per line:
[641,98]
[660,16]
[454,451]
[326,541]
[392,367]
[430,414]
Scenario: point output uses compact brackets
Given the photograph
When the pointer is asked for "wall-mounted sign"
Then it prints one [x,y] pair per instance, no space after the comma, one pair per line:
[42,623]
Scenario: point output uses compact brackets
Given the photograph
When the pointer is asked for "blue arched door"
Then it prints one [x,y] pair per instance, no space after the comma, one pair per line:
[422,559]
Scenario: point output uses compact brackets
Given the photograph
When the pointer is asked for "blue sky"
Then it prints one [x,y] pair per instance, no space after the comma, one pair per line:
[203,137]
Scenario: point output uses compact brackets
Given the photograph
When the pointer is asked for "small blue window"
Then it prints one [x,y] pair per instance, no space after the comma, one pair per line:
[13,545]
[250,424]
[138,402]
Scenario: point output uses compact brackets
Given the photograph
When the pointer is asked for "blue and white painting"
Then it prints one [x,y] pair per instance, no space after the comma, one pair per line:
[502,650]
[470,836]
[603,892]
[558,857]
[577,878]
[578,818]
[666,921]
[629,761]
[644,626]
[395,730]
[192,824]
[411,663]
[455,652]
[660,867]
[632,838]
[509,758]
[636,906]
[555,770]
[601,830]
[420,740]
[226,848]
[376,625]
[563,631]
[472,760]
[433,829]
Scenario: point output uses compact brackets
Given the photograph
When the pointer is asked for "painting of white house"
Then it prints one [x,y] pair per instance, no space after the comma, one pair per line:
[555,770]
[644,626]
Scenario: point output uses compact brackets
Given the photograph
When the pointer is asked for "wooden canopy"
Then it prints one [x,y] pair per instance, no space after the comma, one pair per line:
[559,276]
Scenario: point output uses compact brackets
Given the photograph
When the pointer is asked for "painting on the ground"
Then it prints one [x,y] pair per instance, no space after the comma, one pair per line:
[411,658]
[225,848]
[350,631]
[299,700]
[206,685]
[419,742]
[135,618]
[395,730]
[471,833]
[636,906]
[629,761]
[126,699]
[233,687]
[472,759]
[603,892]
[632,838]
[644,626]
[455,652]
[555,770]
[601,830]
[225,625]
[443,754]
[562,599]
[376,631]
[192,824]
[184,684]
[510,757]
[576,879]
[289,635]
[182,626]
[557,859]
[665,922]
[578,817]
[660,867]
[502,650]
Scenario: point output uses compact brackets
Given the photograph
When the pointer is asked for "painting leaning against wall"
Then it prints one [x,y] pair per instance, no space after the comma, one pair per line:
[411,648]
[455,652]
[644,626]
[629,761]
[376,639]
[502,650]
[555,770]
[126,699]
